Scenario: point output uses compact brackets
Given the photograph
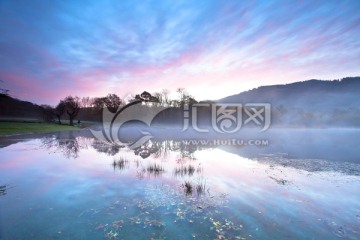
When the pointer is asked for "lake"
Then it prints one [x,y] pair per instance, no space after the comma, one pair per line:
[281,184]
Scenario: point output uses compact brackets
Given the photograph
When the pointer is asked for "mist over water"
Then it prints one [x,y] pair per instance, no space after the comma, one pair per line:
[179,120]
[68,185]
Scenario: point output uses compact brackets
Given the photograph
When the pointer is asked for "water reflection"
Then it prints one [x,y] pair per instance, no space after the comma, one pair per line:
[110,150]
[315,150]
[184,170]
[69,146]
[71,186]
[120,164]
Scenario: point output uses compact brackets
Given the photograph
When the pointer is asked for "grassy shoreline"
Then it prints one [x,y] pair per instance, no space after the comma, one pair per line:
[10,128]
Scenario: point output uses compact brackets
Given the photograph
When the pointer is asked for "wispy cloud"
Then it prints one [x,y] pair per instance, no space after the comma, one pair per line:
[213,48]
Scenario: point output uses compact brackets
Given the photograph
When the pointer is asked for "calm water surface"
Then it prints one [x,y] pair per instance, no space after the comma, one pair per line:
[301,185]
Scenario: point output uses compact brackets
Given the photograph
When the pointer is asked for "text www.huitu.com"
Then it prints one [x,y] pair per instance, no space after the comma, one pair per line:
[229,142]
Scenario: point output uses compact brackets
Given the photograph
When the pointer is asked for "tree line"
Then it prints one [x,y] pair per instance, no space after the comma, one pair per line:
[70,106]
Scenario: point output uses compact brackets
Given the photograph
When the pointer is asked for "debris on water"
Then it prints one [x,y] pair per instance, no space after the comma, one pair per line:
[118,224]
[143,214]
[340,232]
[239,237]
[99,227]
[280,181]
[89,213]
[4,189]
[111,235]
[154,222]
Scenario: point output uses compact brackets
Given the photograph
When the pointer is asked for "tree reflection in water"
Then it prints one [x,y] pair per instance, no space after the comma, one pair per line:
[120,163]
[70,144]
[64,142]
[110,150]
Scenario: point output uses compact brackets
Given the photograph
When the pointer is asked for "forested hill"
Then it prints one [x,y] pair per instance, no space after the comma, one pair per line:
[312,102]
[12,107]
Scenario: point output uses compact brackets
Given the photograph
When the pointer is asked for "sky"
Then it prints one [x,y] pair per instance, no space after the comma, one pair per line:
[51,49]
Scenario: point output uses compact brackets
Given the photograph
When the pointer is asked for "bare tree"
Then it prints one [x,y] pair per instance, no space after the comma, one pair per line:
[146,97]
[86,102]
[182,94]
[185,97]
[165,96]
[99,103]
[160,98]
[47,113]
[113,102]
[72,105]
[60,110]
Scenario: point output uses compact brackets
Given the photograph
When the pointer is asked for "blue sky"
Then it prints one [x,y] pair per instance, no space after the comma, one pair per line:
[50,49]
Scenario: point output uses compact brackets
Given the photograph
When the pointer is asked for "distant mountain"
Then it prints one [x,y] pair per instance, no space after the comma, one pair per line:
[308,103]
[15,108]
